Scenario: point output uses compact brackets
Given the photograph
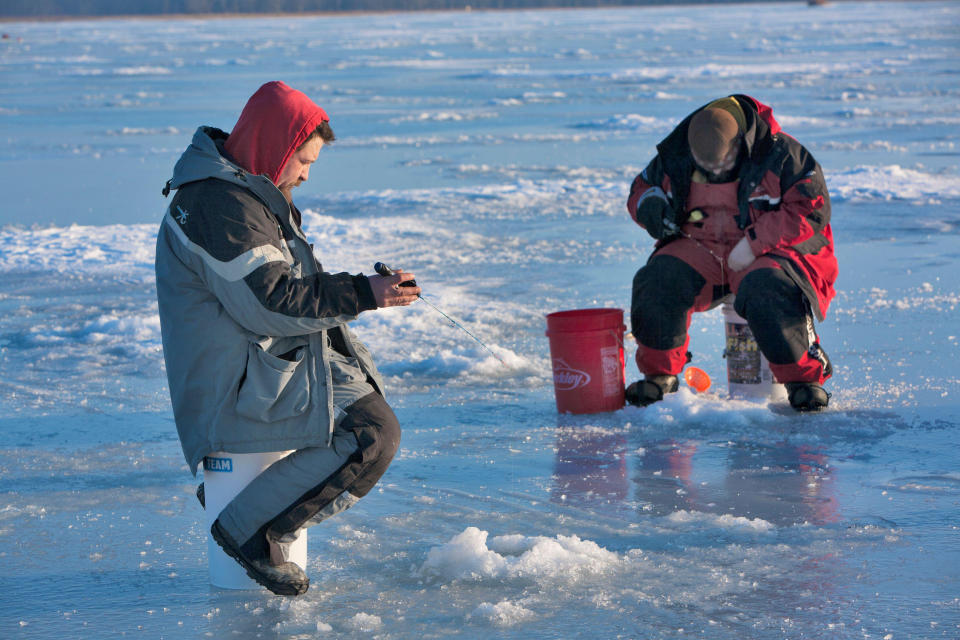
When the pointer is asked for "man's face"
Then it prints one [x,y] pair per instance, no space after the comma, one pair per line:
[297,169]
[720,170]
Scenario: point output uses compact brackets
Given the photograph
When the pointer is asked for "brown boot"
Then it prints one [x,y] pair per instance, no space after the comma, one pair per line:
[286,579]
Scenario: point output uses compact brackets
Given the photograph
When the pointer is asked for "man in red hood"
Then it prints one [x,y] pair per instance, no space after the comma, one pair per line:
[737,207]
[258,351]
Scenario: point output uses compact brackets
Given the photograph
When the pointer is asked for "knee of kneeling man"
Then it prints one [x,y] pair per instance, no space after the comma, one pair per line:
[745,301]
[666,278]
[763,287]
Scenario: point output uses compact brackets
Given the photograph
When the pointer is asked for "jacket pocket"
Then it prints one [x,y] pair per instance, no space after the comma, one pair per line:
[274,388]
[365,360]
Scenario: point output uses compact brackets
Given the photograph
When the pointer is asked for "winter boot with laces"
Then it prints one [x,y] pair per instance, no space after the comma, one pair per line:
[651,389]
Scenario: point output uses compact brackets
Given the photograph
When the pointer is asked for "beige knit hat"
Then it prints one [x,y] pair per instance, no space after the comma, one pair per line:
[711,133]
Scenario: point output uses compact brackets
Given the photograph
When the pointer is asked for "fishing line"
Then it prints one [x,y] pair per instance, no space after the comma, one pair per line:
[384,270]
[675,228]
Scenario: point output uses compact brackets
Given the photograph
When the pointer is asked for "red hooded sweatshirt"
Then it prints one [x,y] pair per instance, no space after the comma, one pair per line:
[275,121]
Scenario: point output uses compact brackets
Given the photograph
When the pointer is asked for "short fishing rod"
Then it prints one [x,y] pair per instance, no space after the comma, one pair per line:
[384,270]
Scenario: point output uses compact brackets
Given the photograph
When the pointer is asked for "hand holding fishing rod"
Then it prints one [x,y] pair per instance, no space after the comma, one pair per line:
[386,271]
[394,289]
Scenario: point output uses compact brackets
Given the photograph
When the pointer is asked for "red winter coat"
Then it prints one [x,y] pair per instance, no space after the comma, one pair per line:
[781,197]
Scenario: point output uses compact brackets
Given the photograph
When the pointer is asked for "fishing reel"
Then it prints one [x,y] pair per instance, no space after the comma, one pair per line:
[384,270]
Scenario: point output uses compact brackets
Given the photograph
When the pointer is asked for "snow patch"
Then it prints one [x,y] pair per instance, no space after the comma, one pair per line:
[109,327]
[364,623]
[725,521]
[892,182]
[468,556]
[126,250]
[630,122]
[445,116]
[144,131]
[502,614]
[142,70]
[862,145]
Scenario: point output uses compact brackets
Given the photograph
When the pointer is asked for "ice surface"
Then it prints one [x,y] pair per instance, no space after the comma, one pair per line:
[491,154]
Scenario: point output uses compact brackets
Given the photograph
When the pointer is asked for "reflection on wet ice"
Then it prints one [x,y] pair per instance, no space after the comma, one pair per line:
[784,484]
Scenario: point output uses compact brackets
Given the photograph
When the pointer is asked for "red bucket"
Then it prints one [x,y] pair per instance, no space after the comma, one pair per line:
[586,346]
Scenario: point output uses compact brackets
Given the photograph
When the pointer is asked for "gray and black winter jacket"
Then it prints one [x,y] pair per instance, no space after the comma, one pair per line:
[247,314]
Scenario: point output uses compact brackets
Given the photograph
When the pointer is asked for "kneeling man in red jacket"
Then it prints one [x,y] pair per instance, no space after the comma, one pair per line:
[737,208]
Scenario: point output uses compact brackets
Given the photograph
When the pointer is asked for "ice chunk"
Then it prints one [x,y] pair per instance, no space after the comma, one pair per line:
[502,614]
[468,556]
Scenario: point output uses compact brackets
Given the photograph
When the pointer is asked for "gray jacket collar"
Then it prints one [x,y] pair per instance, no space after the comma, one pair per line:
[205,158]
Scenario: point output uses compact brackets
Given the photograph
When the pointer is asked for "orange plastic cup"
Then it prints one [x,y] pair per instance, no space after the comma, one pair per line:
[697,378]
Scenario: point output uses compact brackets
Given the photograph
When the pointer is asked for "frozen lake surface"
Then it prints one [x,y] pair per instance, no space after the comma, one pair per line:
[491,154]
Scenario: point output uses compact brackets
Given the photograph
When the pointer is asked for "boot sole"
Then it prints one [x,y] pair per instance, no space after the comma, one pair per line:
[295,588]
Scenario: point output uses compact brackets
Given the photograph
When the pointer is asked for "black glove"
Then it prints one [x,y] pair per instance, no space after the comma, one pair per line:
[653,210]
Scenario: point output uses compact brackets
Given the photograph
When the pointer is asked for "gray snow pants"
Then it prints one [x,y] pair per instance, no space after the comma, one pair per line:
[314,483]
